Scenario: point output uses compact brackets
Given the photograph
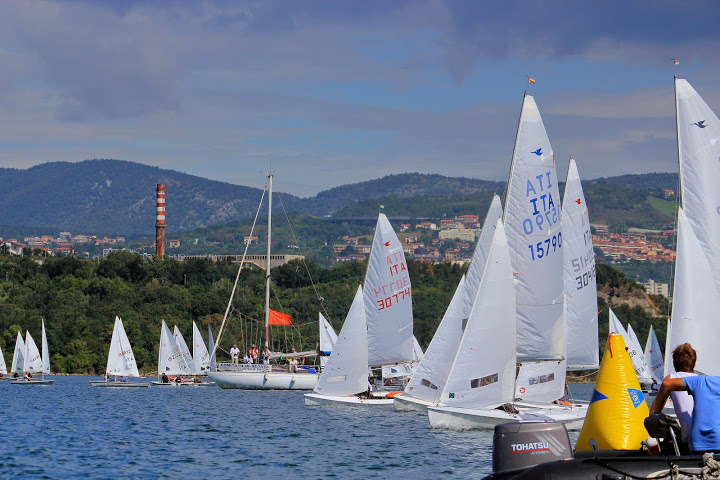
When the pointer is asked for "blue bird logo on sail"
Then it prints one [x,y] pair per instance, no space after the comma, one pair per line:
[700,124]
[537,152]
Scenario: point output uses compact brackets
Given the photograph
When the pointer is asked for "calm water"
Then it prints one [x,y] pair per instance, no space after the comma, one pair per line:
[72,430]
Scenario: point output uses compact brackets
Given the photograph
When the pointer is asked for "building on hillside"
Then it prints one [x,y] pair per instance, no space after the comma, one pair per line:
[468,221]
[654,288]
[174,243]
[466,234]
[250,240]
[426,226]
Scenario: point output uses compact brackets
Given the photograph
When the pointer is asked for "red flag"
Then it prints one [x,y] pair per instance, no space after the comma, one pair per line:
[531,80]
[279,318]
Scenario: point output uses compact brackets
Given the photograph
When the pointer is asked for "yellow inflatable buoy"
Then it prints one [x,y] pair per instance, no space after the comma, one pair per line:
[617,409]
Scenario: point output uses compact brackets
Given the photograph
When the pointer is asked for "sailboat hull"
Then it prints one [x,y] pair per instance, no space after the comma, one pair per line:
[101,383]
[407,403]
[456,418]
[184,384]
[314,399]
[265,380]
[32,382]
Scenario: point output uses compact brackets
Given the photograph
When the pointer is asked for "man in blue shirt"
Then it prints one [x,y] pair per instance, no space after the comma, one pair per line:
[705,390]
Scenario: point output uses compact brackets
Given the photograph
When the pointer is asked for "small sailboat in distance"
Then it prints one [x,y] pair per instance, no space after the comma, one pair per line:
[18,355]
[121,361]
[34,362]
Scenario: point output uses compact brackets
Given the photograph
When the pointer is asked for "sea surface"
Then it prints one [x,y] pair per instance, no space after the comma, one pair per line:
[72,430]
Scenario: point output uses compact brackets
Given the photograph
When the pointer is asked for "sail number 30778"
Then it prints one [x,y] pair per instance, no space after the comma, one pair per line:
[546,247]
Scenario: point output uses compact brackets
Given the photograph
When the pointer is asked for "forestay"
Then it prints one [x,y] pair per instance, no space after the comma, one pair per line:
[483,372]
[693,321]
[388,299]
[533,223]
[121,361]
[581,310]
[201,357]
[654,357]
[33,359]
[185,351]
[346,372]
[18,360]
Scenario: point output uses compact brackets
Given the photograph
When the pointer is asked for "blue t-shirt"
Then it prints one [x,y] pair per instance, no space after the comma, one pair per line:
[705,430]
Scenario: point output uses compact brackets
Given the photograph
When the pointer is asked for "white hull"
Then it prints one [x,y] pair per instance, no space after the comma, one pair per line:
[102,383]
[314,399]
[455,418]
[407,403]
[32,382]
[265,380]
[184,384]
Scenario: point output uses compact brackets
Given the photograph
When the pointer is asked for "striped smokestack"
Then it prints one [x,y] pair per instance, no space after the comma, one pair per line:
[160,221]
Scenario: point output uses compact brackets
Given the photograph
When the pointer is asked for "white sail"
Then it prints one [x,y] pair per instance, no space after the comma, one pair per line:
[328,337]
[636,352]
[18,360]
[346,372]
[533,223]
[201,357]
[170,357]
[698,131]
[45,352]
[477,263]
[388,299]
[581,310]
[638,360]
[483,371]
[3,367]
[418,353]
[654,357]
[33,359]
[121,361]
[693,321]
[188,362]
[211,347]
[428,381]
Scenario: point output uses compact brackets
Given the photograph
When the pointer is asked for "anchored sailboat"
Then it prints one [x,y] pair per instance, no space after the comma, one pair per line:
[121,361]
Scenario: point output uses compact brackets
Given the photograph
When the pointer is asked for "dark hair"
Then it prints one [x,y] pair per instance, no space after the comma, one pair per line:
[684,358]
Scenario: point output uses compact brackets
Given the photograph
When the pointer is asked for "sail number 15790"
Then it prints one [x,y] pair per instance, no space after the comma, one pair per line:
[546,247]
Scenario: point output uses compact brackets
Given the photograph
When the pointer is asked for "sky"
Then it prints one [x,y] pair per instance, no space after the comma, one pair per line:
[328,93]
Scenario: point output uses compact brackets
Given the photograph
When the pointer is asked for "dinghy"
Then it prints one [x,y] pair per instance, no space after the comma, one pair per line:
[173,360]
[3,367]
[34,361]
[200,357]
[121,361]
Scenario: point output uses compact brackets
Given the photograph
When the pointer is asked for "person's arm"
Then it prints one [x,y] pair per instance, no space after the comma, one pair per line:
[668,385]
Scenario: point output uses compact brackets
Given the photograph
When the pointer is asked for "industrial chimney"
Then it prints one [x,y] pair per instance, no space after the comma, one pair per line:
[160,221]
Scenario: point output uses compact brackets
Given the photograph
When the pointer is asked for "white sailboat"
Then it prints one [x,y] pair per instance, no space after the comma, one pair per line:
[427,384]
[654,357]
[172,359]
[345,376]
[201,356]
[34,361]
[328,337]
[696,291]
[3,366]
[18,356]
[633,347]
[262,376]
[121,361]
[211,350]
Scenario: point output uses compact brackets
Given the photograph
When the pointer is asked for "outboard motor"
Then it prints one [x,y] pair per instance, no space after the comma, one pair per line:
[520,445]
[666,429]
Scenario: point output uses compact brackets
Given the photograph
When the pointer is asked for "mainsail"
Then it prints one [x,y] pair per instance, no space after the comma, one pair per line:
[581,310]
[121,361]
[185,351]
[654,356]
[171,360]
[328,337]
[18,355]
[45,352]
[201,357]
[635,352]
[483,371]
[346,372]
[3,367]
[388,299]
[33,359]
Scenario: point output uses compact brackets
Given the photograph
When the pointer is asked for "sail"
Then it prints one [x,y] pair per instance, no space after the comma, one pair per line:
[3,367]
[346,372]
[121,361]
[201,357]
[635,355]
[18,360]
[328,337]
[45,353]
[483,371]
[533,223]
[211,347]
[654,357]
[33,359]
[388,299]
[698,131]
[693,321]
[581,310]
[188,362]
[170,357]
[417,350]
[636,351]
[482,247]
[429,379]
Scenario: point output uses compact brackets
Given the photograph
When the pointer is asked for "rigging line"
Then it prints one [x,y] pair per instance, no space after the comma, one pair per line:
[237,277]
[297,242]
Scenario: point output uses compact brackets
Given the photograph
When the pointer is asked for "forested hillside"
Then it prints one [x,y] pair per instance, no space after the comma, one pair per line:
[79,300]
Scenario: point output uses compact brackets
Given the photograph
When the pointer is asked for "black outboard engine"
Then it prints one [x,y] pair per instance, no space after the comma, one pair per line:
[666,429]
[521,445]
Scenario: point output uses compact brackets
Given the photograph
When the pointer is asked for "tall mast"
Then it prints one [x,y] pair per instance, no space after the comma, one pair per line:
[267,268]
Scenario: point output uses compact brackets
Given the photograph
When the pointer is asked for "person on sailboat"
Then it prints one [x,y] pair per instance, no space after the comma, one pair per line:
[253,353]
[164,378]
[234,354]
[266,356]
[293,365]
